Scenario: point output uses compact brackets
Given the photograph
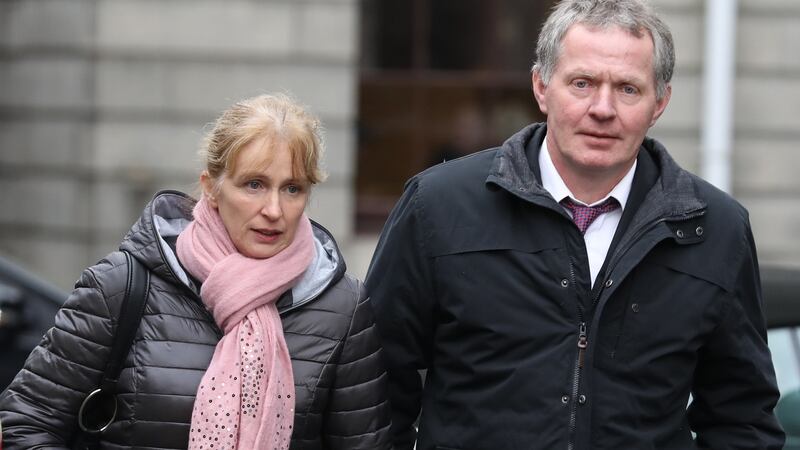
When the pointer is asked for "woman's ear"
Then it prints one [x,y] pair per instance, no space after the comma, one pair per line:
[209,188]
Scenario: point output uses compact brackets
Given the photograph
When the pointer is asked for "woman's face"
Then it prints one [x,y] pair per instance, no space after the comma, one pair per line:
[261,202]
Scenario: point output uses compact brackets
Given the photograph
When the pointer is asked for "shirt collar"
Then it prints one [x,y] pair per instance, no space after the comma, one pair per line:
[554,184]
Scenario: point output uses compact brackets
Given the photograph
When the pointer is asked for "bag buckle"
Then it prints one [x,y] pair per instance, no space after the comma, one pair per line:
[97,412]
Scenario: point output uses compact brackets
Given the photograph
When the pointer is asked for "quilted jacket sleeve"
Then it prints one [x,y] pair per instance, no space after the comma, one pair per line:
[358,414]
[39,408]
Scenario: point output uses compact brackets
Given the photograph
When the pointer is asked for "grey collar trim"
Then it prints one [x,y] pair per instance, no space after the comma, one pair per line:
[313,281]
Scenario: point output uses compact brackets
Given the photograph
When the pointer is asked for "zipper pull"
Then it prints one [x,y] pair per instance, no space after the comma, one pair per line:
[583,342]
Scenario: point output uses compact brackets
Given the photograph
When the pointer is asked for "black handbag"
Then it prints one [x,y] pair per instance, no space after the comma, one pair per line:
[99,408]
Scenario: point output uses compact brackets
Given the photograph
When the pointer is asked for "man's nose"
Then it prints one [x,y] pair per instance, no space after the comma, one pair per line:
[602,106]
[272,206]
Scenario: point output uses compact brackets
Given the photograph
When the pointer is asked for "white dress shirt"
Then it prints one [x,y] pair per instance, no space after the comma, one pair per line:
[600,233]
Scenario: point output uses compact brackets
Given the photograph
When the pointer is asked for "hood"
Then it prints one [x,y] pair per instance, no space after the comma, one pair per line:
[152,241]
[327,268]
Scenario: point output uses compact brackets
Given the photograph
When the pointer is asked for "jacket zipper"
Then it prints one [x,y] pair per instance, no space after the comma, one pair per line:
[576,375]
[583,342]
[583,339]
[295,306]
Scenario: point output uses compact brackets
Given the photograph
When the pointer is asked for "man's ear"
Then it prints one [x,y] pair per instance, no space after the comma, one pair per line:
[661,105]
[539,90]
[209,188]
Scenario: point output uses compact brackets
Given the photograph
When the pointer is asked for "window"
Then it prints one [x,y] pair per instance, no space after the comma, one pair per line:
[784,343]
[438,79]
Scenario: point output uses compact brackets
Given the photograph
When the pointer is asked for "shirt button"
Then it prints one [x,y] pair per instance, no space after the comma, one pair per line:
[609,282]
[679,233]
[564,282]
[581,399]
[635,307]
[699,231]
[565,399]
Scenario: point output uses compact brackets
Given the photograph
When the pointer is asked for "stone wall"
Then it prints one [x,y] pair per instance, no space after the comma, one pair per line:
[767,144]
[104,102]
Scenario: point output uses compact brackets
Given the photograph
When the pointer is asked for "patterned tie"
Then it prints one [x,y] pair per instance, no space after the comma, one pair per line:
[583,216]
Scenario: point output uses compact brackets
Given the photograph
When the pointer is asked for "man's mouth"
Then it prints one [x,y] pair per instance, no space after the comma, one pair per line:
[598,135]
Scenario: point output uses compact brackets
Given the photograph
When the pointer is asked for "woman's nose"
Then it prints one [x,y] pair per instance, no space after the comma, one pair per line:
[272,206]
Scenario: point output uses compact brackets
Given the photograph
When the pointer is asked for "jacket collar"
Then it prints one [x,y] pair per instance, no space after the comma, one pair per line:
[672,196]
[516,165]
[151,241]
[144,241]
[327,268]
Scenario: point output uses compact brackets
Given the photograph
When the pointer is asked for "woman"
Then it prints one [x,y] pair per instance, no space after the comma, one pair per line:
[253,336]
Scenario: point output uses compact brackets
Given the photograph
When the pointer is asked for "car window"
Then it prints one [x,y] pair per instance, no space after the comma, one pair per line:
[784,343]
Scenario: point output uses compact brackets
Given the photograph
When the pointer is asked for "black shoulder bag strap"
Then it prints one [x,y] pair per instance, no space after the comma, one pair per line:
[99,409]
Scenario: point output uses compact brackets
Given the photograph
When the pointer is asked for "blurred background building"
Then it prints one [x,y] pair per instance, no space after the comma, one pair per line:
[104,102]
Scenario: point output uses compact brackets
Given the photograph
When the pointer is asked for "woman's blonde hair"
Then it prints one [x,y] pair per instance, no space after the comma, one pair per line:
[276,117]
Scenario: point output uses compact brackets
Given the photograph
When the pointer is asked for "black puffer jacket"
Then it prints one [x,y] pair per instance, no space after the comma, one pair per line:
[339,377]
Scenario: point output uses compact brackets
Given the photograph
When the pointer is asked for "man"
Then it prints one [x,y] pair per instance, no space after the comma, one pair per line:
[546,324]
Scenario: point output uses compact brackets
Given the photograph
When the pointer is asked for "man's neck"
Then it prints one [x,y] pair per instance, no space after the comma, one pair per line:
[589,187]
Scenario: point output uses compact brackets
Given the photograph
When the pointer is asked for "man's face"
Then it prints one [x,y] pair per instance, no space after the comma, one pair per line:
[600,102]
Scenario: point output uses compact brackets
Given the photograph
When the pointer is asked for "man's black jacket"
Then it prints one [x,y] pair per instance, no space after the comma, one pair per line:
[481,278]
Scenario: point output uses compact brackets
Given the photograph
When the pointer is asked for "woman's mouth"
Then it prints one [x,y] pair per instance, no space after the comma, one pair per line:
[268,236]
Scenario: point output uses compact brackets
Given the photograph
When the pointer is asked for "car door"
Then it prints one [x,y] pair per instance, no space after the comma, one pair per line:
[781,289]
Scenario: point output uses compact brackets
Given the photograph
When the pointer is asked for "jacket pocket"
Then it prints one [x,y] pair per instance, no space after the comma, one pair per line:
[659,320]
[616,327]
[487,238]
[480,291]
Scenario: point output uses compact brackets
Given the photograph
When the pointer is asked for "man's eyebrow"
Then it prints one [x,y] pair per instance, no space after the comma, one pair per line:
[629,79]
[580,73]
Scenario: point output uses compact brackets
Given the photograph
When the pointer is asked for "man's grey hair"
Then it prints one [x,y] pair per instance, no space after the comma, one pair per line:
[635,16]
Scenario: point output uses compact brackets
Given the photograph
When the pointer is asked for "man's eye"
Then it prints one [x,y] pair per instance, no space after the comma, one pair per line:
[629,90]
[580,84]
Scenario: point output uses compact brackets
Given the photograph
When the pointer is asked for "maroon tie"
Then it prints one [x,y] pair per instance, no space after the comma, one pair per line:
[583,216]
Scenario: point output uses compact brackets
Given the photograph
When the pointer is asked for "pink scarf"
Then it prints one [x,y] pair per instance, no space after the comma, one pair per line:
[246,397]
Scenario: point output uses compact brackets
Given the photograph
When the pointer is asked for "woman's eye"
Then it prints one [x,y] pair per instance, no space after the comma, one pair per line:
[292,189]
[253,184]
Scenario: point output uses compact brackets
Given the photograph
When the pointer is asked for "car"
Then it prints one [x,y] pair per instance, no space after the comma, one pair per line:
[28,306]
[781,290]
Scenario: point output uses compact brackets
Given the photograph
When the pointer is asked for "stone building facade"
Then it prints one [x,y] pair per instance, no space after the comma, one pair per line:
[766,117]
[104,102]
